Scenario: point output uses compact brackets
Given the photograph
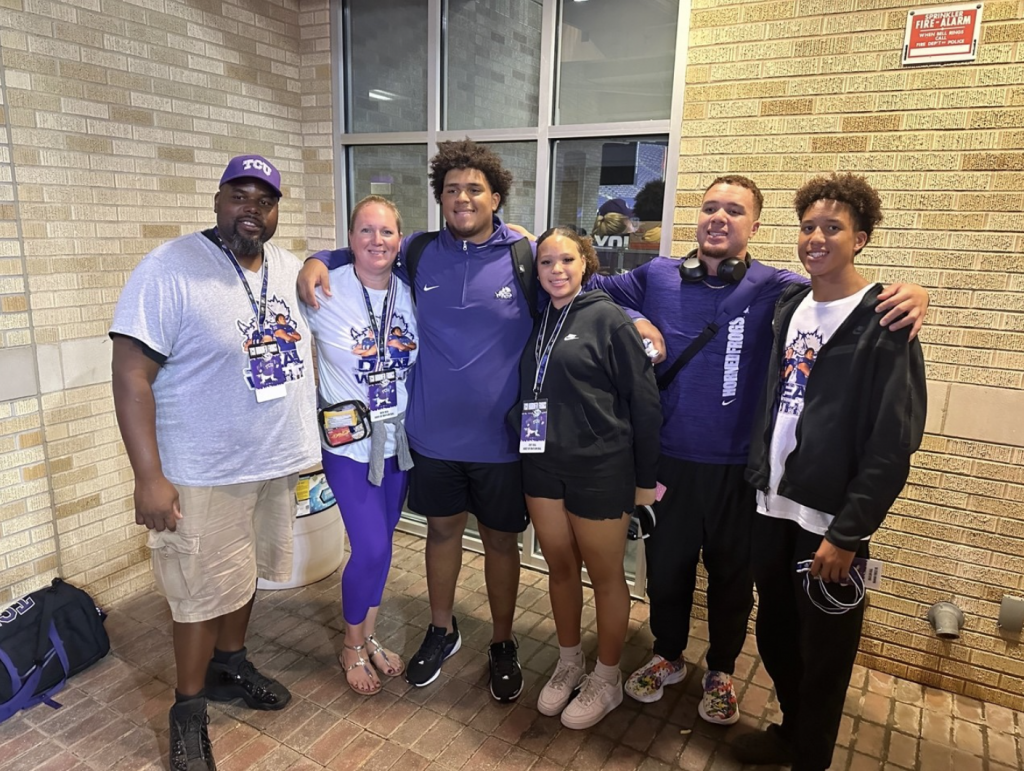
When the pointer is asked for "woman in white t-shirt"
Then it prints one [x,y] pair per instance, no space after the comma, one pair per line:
[366,342]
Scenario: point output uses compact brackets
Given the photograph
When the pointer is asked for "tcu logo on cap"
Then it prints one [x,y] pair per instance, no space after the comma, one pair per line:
[257,163]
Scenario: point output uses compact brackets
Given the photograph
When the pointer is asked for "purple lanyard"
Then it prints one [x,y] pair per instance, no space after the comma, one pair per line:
[542,352]
[260,311]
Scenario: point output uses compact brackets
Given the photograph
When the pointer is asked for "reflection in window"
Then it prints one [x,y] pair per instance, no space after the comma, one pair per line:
[492,67]
[613,190]
[616,61]
[520,158]
[397,172]
[387,63]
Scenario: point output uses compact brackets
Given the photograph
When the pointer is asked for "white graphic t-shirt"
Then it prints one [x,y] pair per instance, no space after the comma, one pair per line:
[809,329]
[186,301]
[347,351]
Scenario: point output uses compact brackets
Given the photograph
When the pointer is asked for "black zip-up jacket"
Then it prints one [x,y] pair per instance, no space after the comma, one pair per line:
[863,417]
[602,397]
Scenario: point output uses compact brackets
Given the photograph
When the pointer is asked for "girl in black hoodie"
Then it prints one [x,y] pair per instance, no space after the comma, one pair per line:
[589,432]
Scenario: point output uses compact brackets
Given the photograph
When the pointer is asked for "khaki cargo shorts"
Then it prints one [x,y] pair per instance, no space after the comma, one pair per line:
[226,537]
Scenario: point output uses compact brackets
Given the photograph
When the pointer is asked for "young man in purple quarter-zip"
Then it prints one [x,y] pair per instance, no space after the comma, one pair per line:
[708,509]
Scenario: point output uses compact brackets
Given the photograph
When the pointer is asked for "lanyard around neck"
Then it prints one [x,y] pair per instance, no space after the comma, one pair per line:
[387,312]
[259,311]
[542,352]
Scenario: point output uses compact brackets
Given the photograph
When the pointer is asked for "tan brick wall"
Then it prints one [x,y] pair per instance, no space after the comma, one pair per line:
[783,90]
[118,118]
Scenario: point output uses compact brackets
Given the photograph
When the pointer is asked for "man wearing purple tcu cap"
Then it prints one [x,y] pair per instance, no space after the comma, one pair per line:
[217,409]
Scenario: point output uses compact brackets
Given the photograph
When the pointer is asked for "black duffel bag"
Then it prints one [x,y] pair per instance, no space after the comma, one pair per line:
[45,637]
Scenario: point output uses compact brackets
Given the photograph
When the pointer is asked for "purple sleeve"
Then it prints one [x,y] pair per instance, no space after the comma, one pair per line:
[333,258]
[627,289]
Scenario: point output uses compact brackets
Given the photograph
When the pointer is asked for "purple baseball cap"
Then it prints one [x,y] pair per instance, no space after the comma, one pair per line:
[253,167]
[616,206]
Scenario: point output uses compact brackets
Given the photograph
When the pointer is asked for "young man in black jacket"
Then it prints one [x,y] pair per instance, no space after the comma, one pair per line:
[842,412]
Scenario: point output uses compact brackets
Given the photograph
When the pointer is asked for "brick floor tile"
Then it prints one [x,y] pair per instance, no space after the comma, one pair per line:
[935,757]
[966,708]
[384,757]
[642,733]
[902,750]
[875,708]
[667,744]
[864,763]
[355,752]
[650,764]
[461,749]
[622,759]
[840,760]
[907,718]
[339,736]
[936,727]
[595,750]
[543,731]
[938,701]
[869,739]
[1002,748]
[999,718]
[564,746]
[881,683]
[432,742]
[279,759]
[516,722]
[968,737]
[696,753]
[910,693]
[845,735]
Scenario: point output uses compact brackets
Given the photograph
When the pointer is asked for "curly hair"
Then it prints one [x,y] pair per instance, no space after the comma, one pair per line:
[584,246]
[467,154]
[738,180]
[850,189]
[649,201]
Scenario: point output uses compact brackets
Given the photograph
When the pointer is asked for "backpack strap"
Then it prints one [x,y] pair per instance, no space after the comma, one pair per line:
[526,273]
[412,255]
[741,297]
[522,266]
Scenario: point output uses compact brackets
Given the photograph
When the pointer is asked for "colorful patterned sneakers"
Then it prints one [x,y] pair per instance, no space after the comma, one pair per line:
[719,702]
[647,683]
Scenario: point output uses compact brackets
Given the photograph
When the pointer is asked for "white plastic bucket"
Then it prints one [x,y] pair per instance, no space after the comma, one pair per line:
[319,537]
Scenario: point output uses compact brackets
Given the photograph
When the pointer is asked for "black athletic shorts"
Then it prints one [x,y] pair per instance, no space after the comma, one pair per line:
[605,493]
[492,492]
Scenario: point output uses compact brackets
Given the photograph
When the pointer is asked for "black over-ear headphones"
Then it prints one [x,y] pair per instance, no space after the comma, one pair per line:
[693,269]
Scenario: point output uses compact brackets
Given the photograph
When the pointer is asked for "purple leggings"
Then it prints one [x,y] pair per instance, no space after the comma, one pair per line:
[370,514]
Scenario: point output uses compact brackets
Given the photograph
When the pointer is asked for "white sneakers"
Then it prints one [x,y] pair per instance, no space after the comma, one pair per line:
[556,694]
[597,698]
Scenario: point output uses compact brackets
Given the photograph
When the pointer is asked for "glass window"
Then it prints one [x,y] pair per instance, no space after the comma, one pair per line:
[387,65]
[397,172]
[611,189]
[492,63]
[520,158]
[616,61]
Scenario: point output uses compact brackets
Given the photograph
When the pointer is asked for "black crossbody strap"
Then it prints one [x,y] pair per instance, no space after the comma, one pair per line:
[743,295]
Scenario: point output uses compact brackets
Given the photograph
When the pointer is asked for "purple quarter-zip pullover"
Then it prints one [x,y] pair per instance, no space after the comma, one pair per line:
[473,323]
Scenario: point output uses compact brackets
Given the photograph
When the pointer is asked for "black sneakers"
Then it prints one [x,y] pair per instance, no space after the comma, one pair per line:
[239,679]
[438,645]
[506,674]
[190,739]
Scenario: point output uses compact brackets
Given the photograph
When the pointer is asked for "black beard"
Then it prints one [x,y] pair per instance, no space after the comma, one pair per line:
[246,247]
